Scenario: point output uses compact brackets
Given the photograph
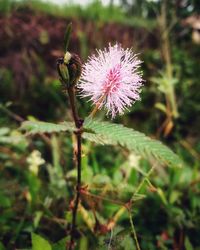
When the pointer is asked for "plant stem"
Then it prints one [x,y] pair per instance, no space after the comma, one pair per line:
[72,100]
[78,186]
[165,47]
[92,114]
[78,133]
[123,209]
[134,232]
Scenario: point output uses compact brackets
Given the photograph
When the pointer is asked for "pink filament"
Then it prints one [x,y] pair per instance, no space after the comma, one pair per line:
[112,82]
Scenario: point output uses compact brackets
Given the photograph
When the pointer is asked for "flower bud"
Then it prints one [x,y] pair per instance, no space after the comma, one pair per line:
[69,69]
[63,72]
[75,68]
[67,57]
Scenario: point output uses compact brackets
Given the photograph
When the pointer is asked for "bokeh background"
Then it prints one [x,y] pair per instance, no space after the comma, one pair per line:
[37,176]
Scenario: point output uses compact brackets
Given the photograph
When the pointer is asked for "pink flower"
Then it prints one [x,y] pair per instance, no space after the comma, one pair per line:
[111,79]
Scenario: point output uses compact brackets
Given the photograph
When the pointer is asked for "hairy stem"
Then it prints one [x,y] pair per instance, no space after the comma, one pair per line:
[72,100]
[78,186]
[78,123]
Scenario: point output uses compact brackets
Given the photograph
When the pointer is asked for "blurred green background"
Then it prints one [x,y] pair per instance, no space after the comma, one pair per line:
[37,176]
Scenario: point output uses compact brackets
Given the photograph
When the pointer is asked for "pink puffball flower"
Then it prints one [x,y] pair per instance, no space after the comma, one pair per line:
[111,79]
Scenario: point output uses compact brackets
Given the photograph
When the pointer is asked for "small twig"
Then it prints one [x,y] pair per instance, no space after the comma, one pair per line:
[142,182]
[110,241]
[189,147]
[99,197]
[126,207]
[134,232]
[11,114]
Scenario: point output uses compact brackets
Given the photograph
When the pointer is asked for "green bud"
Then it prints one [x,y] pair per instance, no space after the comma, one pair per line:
[74,68]
[69,69]
[63,72]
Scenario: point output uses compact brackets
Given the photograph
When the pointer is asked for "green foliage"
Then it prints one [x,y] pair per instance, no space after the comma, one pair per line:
[95,11]
[112,134]
[2,246]
[11,137]
[6,6]
[60,245]
[39,243]
[117,134]
[119,239]
[34,127]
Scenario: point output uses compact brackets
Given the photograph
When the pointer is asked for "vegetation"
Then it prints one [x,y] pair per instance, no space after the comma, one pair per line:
[136,192]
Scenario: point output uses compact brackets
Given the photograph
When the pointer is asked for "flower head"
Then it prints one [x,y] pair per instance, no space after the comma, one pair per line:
[111,79]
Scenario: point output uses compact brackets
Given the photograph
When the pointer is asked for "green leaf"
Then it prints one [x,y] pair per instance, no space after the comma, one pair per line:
[67,36]
[2,246]
[34,127]
[39,243]
[60,245]
[162,195]
[4,131]
[115,134]
[161,107]
[188,245]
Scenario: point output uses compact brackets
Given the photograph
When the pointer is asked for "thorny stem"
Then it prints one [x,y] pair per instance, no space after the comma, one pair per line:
[76,202]
[69,84]
[78,123]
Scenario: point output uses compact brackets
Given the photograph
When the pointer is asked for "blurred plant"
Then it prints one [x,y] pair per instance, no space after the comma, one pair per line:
[83,44]
[166,82]
[34,160]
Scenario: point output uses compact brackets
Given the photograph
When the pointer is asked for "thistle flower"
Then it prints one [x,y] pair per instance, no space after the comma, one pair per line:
[111,79]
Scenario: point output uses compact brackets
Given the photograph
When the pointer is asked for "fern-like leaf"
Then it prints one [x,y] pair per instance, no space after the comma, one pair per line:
[34,127]
[111,134]
[115,134]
